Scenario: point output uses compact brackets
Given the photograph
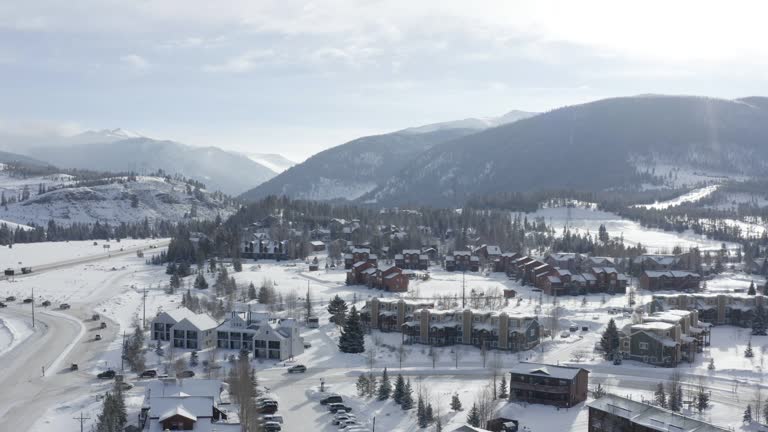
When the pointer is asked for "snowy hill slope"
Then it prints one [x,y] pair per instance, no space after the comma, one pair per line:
[275,162]
[124,200]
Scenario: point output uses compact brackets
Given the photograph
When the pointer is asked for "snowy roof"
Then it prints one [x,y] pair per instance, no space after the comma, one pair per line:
[589,277]
[361,250]
[603,270]
[411,251]
[202,322]
[179,314]
[659,259]
[554,279]
[178,411]
[539,369]
[398,256]
[317,243]
[602,260]
[474,258]
[467,428]
[563,272]
[651,416]
[194,387]
[653,325]
[493,250]
[462,253]
[670,274]
[578,278]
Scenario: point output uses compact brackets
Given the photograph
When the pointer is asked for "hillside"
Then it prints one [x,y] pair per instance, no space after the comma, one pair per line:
[610,143]
[111,200]
[119,151]
[352,169]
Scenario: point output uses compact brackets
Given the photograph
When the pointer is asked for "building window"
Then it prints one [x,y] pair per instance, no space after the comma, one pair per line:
[643,345]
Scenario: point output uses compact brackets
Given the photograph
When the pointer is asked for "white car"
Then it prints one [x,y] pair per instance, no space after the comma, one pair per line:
[565,334]
[348,423]
[273,418]
[343,418]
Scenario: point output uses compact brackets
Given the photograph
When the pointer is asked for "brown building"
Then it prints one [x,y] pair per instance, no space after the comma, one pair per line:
[462,261]
[412,259]
[390,279]
[505,262]
[548,384]
[670,280]
[360,273]
[613,413]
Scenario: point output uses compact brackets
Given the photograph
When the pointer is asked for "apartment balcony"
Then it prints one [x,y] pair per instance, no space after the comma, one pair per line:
[517,385]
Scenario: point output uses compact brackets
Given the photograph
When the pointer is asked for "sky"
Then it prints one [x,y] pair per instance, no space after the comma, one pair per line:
[296,77]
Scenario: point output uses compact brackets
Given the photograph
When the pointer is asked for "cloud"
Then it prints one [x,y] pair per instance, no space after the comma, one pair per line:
[242,63]
[135,61]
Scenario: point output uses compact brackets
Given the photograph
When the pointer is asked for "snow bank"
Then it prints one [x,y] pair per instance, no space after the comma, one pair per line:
[12,333]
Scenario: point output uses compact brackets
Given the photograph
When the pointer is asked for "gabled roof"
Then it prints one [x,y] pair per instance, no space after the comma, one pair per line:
[561,372]
[178,411]
[201,322]
[650,416]
[179,314]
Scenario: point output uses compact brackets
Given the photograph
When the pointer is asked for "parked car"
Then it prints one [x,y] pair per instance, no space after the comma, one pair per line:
[584,328]
[46,303]
[342,417]
[617,361]
[125,386]
[74,367]
[149,373]
[95,317]
[108,374]
[349,424]
[26,270]
[565,334]
[573,328]
[2,305]
[331,399]
[28,300]
[64,306]
[185,374]
[272,427]
[273,418]
[97,337]
[267,409]
[338,407]
[10,299]
[297,369]
[307,345]
[103,325]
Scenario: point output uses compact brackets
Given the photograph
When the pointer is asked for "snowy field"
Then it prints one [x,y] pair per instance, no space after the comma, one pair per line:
[692,196]
[35,254]
[583,220]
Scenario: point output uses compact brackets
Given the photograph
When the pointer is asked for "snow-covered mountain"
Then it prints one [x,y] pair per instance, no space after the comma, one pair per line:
[118,150]
[275,162]
[610,143]
[110,200]
[474,123]
[353,169]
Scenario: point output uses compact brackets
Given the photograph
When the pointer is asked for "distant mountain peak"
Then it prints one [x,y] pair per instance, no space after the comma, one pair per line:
[104,135]
[476,123]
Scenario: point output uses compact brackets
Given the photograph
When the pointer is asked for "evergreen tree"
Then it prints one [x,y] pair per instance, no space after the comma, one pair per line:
[455,402]
[747,418]
[237,265]
[473,419]
[338,310]
[610,340]
[362,385]
[352,339]
[660,396]
[399,391]
[308,311]
[758,322]
[385,387]
[751,290]
[407,401]
[251,292]
[748,352]
[503,387]
[200,282]
[421,413]
[429,414]
[175,282]
[598,392]
[702,399]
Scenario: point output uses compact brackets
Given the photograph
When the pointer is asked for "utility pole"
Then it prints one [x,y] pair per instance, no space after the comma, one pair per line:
[463,289]
[122,355]
[82,420]
[33,307]
[144,307]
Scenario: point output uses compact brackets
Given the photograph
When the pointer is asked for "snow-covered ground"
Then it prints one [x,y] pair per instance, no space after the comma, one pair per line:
[585,220]
[692,196]
[35,254]
[12,333]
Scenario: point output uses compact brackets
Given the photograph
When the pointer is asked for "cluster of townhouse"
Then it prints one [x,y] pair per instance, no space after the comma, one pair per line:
[713,308]
[561,386]
[615,413]
[364,269]
[255,332]
[666,272]
[257,241]
[665,338]
[192,405]
[421,323]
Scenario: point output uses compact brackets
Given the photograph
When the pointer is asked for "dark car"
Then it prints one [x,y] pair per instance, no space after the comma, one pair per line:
[103,325]
[2,305]
[185,374]
[331,399]
[97,337]
[73,367]
[337,407]
[46,303]
[268,409]
[151,373]
[297,369]
[272,427]
[617,361]
[28,300]
[10,298]
[64,306]
[109,374]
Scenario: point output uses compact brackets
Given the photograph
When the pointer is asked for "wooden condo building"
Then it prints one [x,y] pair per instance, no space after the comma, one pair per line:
[548,384]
